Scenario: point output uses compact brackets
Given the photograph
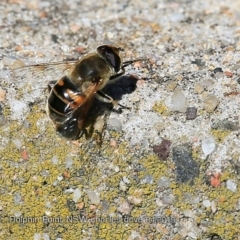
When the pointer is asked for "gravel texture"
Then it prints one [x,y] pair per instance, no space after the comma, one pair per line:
[169,163]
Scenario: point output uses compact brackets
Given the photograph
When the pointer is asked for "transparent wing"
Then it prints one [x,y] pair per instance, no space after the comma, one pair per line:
[39,72]
[28,84]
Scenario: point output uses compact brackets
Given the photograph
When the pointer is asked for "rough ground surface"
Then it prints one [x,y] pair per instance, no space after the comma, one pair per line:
[168,167]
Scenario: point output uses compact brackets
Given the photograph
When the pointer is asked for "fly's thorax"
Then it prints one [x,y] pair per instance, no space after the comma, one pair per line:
[90,67]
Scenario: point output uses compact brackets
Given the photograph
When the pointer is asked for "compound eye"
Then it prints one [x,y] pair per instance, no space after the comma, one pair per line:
[110,55]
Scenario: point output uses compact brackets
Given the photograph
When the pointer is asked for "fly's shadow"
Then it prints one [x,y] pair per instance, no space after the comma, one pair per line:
[116,90]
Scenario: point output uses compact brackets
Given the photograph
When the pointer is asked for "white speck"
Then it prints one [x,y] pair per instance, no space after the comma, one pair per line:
[206,203]
[122,186]
[70,190]
[76,194]
[126,180]
[208,145]
[55,183]
[117,169]
[45,173]
[213,206]
[59,178]
[48,213]
[231,185]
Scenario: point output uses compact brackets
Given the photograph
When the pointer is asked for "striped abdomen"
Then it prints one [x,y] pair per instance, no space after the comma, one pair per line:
[63,103]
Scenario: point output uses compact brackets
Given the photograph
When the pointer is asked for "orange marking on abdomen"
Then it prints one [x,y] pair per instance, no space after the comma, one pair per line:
[60,82]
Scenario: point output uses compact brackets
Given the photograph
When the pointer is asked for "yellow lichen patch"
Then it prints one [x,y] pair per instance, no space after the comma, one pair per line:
[220,135]
[161,108]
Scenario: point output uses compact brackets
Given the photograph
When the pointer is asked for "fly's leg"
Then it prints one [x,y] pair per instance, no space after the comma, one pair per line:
[51,85]
[125,64]
[103,97]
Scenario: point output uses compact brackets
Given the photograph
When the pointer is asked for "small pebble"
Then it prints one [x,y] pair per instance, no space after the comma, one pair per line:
[178,101]
[179,77]
[168,198]
[217,70]
[192,235]
[124,208]
[136,201]
[66,174]
[207,203]
[59,178]
[69,162]
[213,206]
[210,103]
[191,113]
[171,86]
[189,213]
[48,204]
[147,179]
[123,186]
[45,173]
[163,149]
[198,88]
[228,74]
[114,124]
[105,205]
[17,198]
[207,83]
[231,185]
[163,182]
[17,214]
[37,236]
[208,145]
[126,180]
[7,61]
[94,197]
[186,167]
[55,160]
[76,194]
[17,143]
[17,64]
[3,120]
[2,95]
